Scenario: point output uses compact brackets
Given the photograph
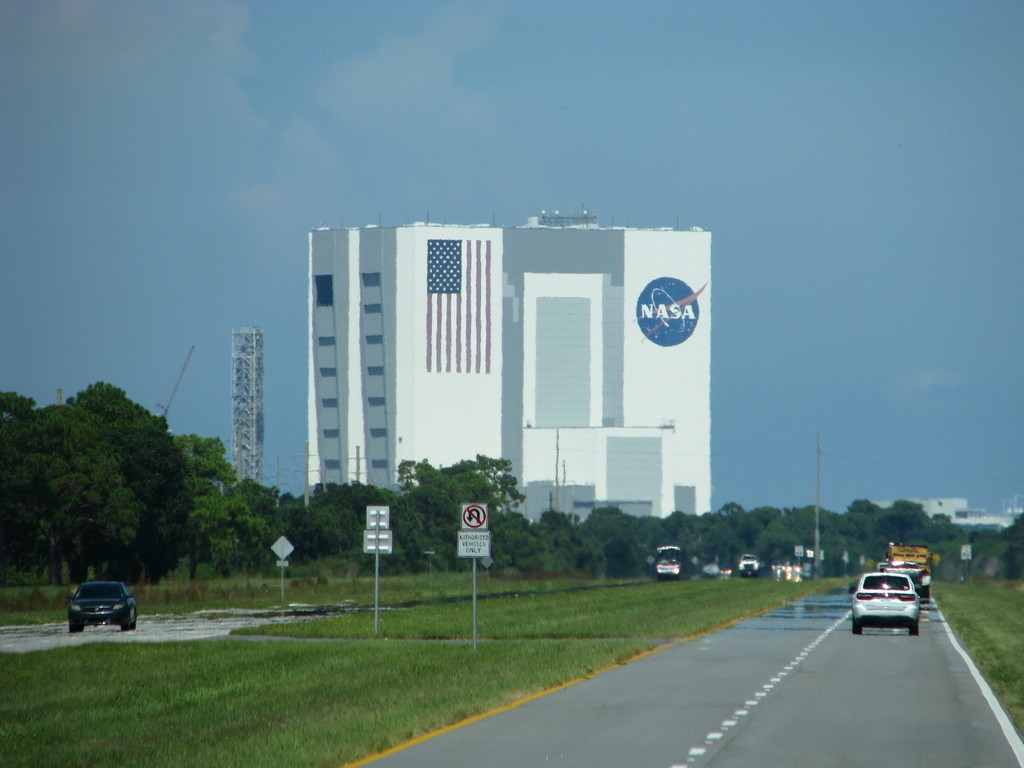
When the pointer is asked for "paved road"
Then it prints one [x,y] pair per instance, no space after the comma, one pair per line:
[792,688]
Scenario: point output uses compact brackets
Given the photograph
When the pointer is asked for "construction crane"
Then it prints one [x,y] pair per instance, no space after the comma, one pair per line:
[166,408]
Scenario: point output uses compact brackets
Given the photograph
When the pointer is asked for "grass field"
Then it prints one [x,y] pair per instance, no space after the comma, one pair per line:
[988,617]
[244,703]
[44,604]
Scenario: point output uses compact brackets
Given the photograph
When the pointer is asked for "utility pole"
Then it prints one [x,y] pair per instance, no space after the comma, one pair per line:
[305,480]
[817,505]
[558,498]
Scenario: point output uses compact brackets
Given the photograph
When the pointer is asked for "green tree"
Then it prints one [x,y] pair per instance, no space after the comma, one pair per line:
[904,521]
[561,547]
[15,414]
[76,493]
[153,470]
[230,535]
[207,476]
[515,542]
[333,524]
[609,539]
[1014,537]
[432,499]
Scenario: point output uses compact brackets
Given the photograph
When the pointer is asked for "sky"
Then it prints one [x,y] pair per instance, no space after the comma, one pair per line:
[860,166]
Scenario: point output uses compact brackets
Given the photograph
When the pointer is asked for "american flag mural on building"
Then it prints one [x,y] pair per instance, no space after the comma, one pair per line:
[458,323]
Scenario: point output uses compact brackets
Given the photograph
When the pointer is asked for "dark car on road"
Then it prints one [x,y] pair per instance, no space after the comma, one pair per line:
[102,602]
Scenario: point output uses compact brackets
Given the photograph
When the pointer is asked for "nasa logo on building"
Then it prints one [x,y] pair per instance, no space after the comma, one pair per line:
[667,311]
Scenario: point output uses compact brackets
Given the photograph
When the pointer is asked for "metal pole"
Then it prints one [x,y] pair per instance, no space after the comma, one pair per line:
[376,589]
[474,602]
[305,482]
[282,585]
[817,503]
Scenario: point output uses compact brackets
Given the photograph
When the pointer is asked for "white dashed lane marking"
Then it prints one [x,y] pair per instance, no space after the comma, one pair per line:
[715,737]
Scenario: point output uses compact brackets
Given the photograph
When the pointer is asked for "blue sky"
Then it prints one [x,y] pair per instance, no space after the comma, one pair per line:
[859,164]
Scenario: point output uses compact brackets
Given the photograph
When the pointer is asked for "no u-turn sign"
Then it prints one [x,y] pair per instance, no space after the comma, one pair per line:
[474,517]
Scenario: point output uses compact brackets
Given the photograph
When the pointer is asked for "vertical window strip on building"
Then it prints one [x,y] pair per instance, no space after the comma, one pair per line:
[324,290]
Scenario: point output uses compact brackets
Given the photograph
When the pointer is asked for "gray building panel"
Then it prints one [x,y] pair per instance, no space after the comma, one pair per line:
[634,468]
[611,407]
[543,495]
[377,265]
[329,254]
[686,499]
[563,362]
[543,250]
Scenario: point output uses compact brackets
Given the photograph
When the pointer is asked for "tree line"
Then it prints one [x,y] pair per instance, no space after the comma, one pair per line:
[99,488]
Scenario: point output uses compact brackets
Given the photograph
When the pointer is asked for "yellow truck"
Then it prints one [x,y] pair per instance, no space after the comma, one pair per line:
[914,560]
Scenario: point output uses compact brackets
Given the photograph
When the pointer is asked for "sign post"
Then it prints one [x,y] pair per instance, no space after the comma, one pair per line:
[377,539]
[474,543]
[430,563]
[282,548]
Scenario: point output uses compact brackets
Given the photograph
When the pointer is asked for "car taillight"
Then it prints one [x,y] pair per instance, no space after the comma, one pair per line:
[865,596]
[906,598]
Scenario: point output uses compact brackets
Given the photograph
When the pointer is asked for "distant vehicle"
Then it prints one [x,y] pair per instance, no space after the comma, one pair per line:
[102,602]
[886,600]
[669,563]
[749,566]
[915,561]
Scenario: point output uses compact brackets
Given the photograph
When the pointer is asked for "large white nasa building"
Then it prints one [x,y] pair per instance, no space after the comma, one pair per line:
[580,353]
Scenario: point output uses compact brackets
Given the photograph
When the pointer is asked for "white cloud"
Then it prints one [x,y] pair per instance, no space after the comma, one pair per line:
[112,87]
[305,176]
[409,86]
[921,385]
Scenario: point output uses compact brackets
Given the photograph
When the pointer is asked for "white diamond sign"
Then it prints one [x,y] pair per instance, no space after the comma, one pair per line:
[282,548]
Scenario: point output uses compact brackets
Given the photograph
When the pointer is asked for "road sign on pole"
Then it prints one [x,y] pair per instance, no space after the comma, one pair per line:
[474,543]
[378,517]
[377,541]
[282,548]
[474,517]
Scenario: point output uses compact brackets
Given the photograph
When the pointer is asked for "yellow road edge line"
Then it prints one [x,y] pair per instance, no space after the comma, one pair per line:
[367,760]
[518,702]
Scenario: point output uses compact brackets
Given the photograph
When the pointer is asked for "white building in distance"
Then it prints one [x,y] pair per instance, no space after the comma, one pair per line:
[581,354]
[959,512]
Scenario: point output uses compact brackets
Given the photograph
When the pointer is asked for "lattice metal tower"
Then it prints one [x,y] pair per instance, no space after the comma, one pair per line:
[247,402]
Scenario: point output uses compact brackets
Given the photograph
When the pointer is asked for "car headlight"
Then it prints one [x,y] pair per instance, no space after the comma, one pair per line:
[117,606]
[76,606]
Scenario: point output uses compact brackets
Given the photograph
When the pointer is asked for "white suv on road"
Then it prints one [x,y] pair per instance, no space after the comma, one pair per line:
[886,600]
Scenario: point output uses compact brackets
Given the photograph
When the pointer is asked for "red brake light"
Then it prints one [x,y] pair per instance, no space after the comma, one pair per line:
[906,598]
[865,596]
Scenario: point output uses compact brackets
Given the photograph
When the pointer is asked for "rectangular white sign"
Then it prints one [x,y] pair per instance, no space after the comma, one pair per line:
[378,517]
[377,541]
[474,543]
